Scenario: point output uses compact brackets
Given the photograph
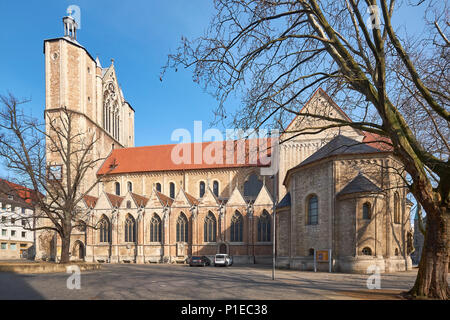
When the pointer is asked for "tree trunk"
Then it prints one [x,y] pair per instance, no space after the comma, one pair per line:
[431,281]
[65,249]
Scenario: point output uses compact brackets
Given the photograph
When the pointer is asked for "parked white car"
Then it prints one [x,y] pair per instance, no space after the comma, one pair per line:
[223,260]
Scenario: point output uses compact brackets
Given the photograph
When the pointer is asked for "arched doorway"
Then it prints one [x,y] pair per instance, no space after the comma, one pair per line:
[223,248]
[78,250]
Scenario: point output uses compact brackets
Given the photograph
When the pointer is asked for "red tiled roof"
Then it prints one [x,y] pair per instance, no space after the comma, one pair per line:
[115,200]
[159,158]
[90,201]
[140,200]
[191,199]
[26,194]
[165,199]
[377,141]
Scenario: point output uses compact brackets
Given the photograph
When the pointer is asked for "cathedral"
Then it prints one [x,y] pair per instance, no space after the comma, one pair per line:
[335,191]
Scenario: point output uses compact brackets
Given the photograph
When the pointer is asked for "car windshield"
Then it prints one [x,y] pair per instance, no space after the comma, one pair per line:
[196,258]
[222,256]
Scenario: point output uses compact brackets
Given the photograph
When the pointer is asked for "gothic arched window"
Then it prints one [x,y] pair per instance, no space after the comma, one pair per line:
[396,208]
[130,186]
[130,229]
[264,227]
[172,190]
[313,210]
[366,211]
[117,186]
[182,228]
[210,227]
[237,227]
[105,230]
[216,188]
[155,229]
[201,190]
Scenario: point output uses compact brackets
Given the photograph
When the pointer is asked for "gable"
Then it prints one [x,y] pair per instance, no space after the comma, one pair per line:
[181,199]
[209,198]
[264,197]
[103,202]
[126,199]
[236,198]
[322,105]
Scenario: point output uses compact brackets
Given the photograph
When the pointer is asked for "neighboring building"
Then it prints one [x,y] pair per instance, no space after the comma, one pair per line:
[155,211]
[16,216]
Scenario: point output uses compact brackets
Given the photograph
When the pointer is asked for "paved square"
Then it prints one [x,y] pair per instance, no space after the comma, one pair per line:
[127,281]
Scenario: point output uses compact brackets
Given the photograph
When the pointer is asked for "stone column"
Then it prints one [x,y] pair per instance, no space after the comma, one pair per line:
[166,235]
[90,239]
[115,257]
[250,235]
[140,238]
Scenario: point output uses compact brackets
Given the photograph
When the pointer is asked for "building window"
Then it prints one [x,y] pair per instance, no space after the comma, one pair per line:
[366,211]
[117,184]
[201,190]
[313,210]
[3,219]
[24,234]
[4,206]
[311,252]
[237,227]
[158,187]
[396,251]
[182,228]
[155,229]
[10,197]
[130,186]
[210,227]
[13,233]
[130,229]
[12,246]
[105,230]
[396,208]
[172,190]
[23,210]
[4,232]
[13,220]
[367,251]
[3,246]
[264,227]
[216,188]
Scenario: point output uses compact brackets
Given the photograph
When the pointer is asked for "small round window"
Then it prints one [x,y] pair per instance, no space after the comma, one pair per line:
[367,251]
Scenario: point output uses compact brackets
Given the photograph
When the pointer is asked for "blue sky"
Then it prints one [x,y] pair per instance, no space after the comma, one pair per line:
[137,34]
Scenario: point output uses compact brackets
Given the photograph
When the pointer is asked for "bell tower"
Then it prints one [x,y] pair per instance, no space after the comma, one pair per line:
[70,28]
[74,80]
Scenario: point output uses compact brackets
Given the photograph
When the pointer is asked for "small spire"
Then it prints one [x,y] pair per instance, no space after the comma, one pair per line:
[112,61]
[97,61]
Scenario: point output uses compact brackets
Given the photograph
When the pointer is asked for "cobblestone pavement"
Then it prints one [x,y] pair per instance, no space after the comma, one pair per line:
[126,281]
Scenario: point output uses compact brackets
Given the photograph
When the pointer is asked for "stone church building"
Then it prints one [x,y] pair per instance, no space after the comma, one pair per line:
[335,190]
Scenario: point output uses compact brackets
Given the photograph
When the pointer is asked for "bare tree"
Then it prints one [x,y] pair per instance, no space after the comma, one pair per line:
[393,85]
[54,159]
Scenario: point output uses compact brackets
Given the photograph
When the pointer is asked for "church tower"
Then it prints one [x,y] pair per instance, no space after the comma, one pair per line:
[76,81]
